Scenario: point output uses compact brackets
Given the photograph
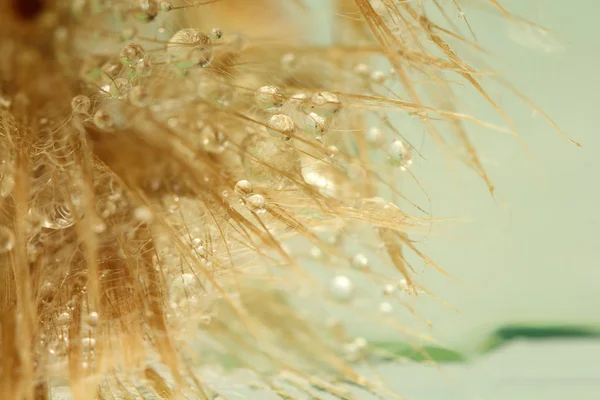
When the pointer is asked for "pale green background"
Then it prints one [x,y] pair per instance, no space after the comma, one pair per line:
[531,254]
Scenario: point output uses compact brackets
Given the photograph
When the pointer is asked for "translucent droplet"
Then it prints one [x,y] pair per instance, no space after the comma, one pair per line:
[256,203]
[288,61]
[129,32]
[268,98]
[389,289]
[81,104]
[148,10]
[243,187]
[385,308]
[316,252]
[378,77]
[59,216]
[316,125]
[281,124]
[92,319]
[341,288]
[88,344]
[7,170]
[325,103]
[216,33]
[143,214]
[64,318]
[360,261]
[7,239]
[103,119]
[132,54]
[144,67]
[399,154]
[166,6]
[47,292]
[362,70]
[375,136]
[189,48]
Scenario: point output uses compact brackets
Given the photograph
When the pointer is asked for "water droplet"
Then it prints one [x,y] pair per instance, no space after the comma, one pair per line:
[243,187]
[189,48]
[81,104]
[143,214]
[375,136]
[385,308]
[316,252]
[88,344]
[166,6]
[341,288]
[268,98]
[7,239]
[325,103]
[132,54]
[362,70]
[316,125]
[389,289]
[288,61]
[47,292]
[129,32]
[399,155]
[148,10]
[280,124]
[378,77]
[64,318]
[7,169]
[144,67]
[360,261]
[103,119]
[216,33]
[256,203]
[92,319]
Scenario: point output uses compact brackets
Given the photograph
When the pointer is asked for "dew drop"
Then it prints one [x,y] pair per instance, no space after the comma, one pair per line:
[325,103]
[268,98]
[47,292]
[64,318]
[389,289]
[341,288]
[216,33]
[92,319]
[362,70]
[399,155]
[103,119]
[166,6]
[148,10]
[316,125]
[385,308]
[144,67]
[378,77]
[281,124]
[360,261]
[81,104]
[143,214]
[88,344]
[256,203]
[375,136]
[7,239]
[243,187]
[189,48]
[129,32]
[132,54]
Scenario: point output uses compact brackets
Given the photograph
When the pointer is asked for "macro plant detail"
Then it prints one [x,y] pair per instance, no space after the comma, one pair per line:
[178,194]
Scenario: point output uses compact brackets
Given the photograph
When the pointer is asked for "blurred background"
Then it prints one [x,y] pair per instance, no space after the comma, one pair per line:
[527,258]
